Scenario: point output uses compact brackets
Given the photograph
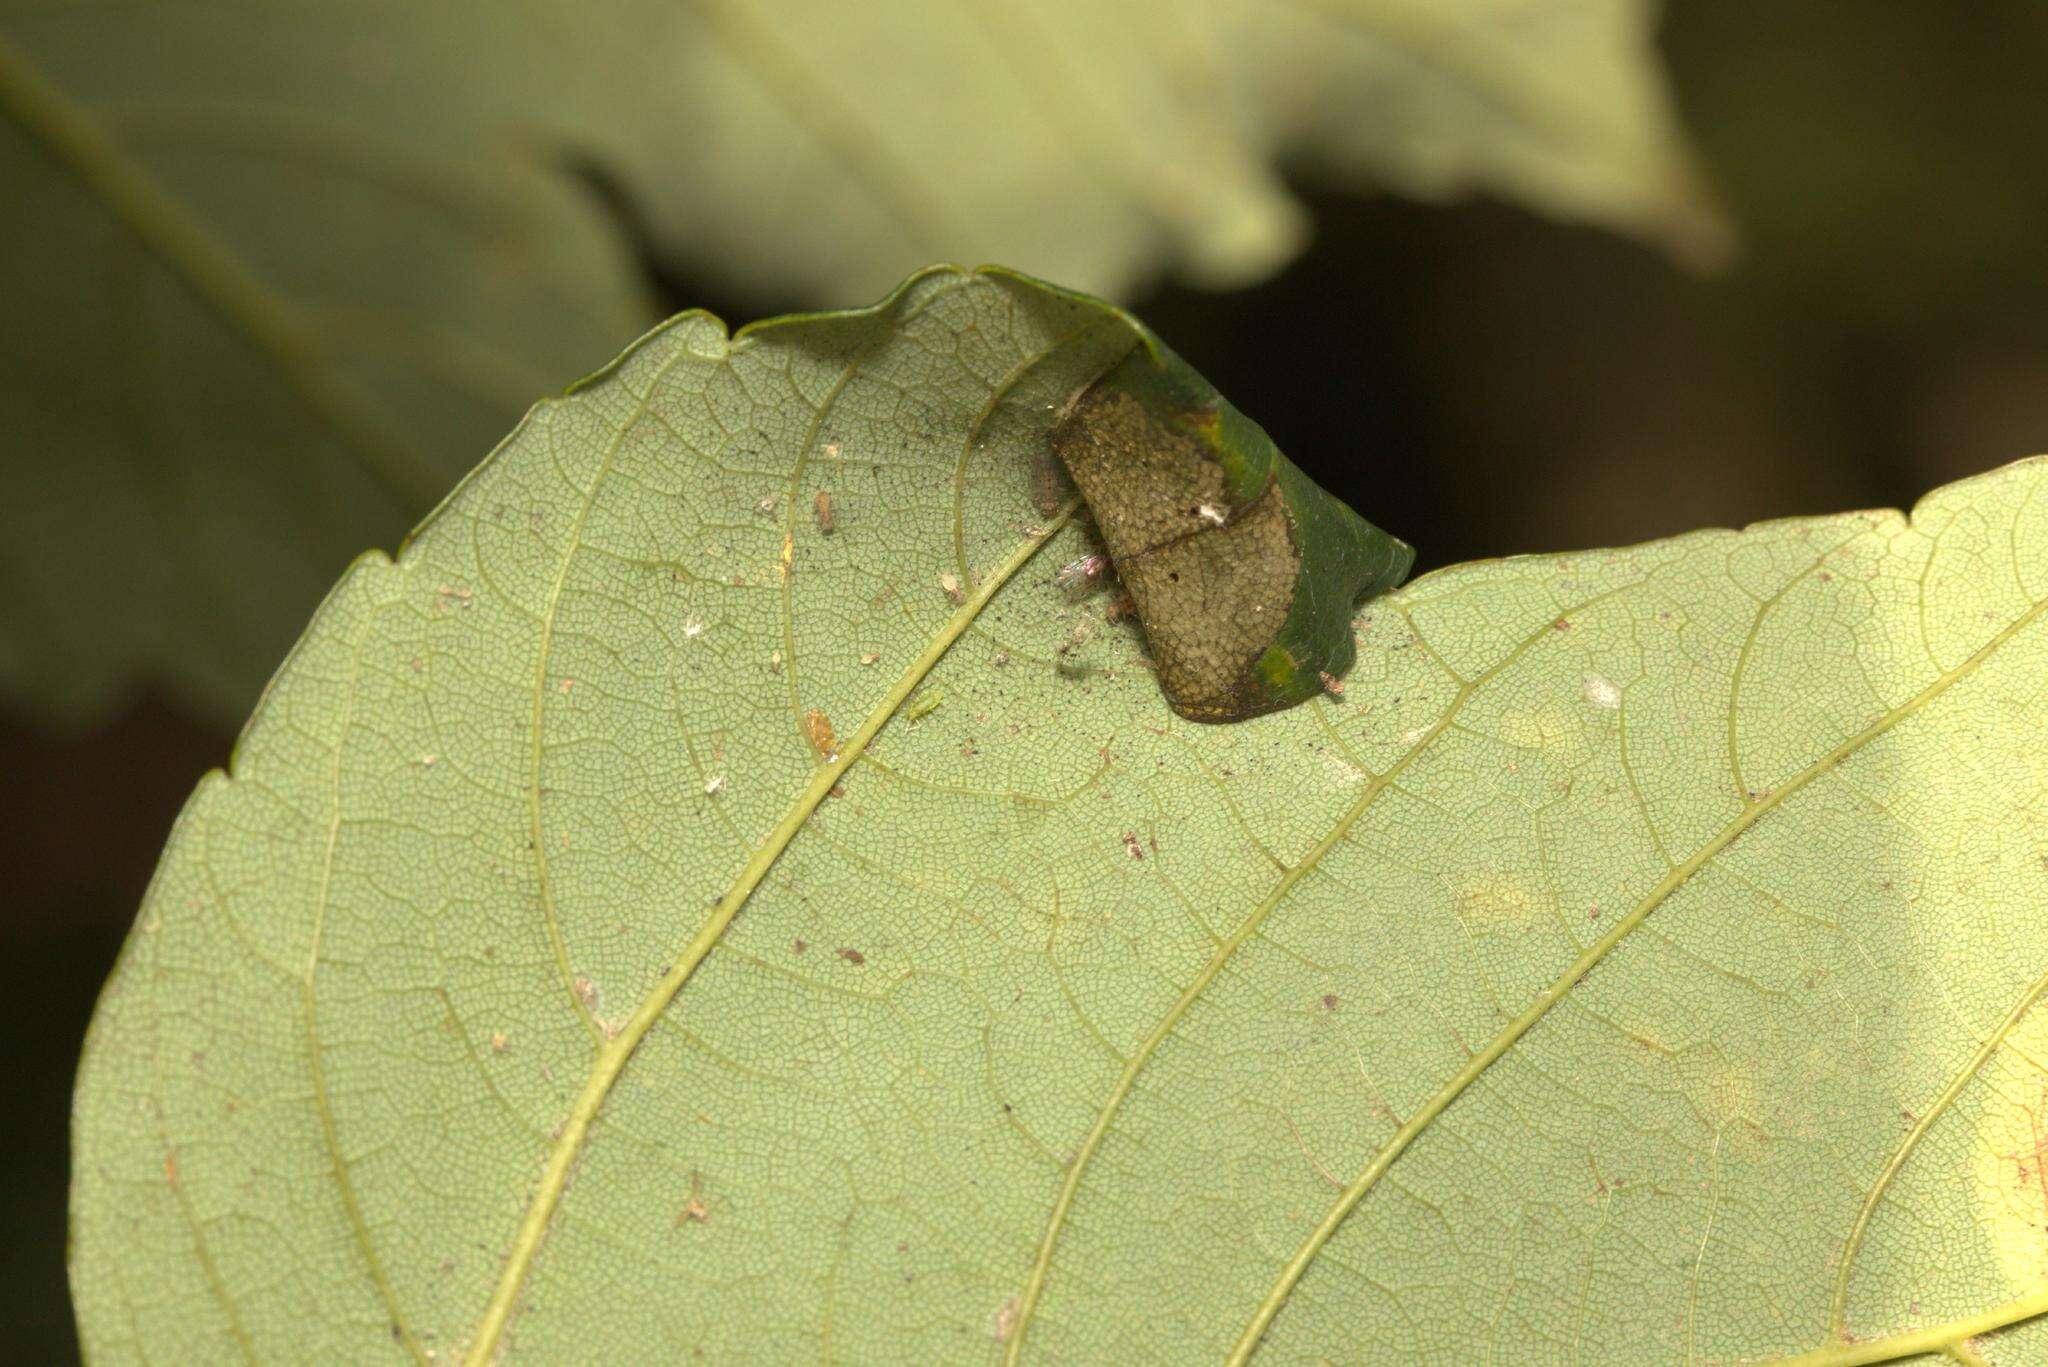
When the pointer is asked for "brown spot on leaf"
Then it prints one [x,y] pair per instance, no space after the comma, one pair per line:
[853,956]
[1212,580]
[818,727]
[821,505]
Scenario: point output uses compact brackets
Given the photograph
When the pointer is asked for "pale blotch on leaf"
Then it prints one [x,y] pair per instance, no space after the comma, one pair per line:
[818,730]
[1602,692]
[1729,1092]
[1548,729]
[1495,901]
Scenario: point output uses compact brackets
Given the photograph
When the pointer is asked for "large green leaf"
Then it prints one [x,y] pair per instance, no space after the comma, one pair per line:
[274,273]
[640,920]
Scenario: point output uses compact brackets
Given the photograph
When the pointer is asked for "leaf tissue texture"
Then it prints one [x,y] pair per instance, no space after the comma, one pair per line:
[652,915]
[274,272]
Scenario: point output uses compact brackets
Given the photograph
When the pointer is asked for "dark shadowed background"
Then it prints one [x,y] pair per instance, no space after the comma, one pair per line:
[1477,380]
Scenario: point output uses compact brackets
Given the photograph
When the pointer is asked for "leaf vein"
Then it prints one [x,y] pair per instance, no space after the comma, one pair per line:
[1559,990]
[613,1056]
[1063,1202]
[1838,1305]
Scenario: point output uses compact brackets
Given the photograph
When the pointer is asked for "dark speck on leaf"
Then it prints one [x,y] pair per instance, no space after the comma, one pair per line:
[800,946]
[1329,1001]
[853,956]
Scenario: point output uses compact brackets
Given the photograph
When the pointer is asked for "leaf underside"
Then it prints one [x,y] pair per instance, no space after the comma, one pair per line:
[641,919]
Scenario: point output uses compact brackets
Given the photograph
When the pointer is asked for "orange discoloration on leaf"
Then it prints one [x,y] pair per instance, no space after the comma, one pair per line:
[818,727]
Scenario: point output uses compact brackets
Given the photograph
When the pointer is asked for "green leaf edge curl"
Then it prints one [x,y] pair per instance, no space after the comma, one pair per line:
[1342,558]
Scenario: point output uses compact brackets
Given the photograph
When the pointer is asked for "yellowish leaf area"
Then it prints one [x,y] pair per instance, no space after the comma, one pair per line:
[1640,960]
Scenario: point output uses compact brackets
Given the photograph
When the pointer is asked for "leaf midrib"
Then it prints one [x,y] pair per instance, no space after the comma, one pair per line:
[612,1058]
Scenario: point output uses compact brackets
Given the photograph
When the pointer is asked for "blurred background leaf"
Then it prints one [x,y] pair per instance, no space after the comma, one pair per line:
[274,279]
[279,273]
[1098,143]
